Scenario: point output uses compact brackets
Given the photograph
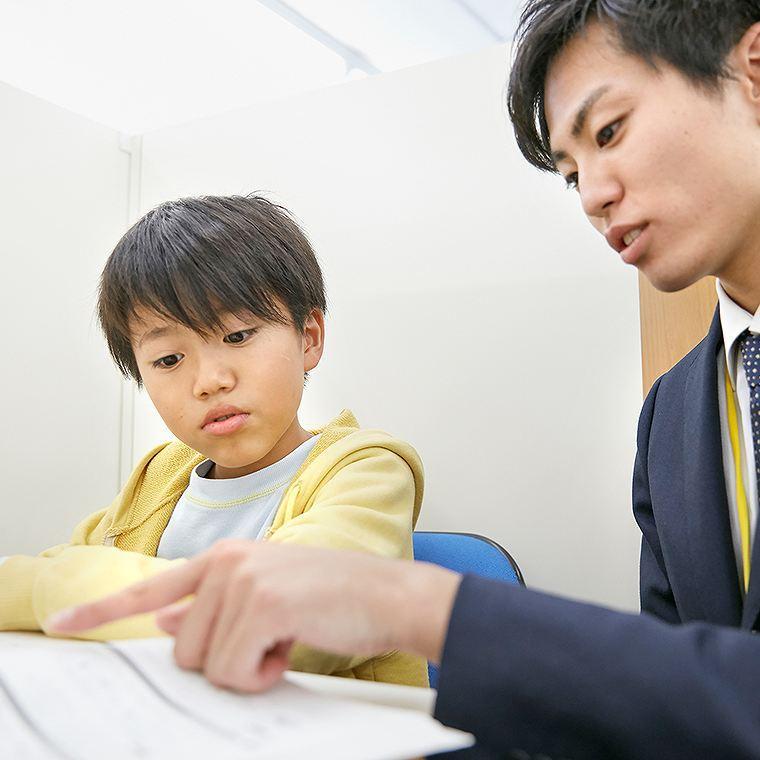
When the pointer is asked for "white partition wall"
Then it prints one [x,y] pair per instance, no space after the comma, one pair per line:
[472,310]
[63,204]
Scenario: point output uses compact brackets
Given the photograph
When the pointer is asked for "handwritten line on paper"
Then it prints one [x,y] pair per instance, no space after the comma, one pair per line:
[210,725]
[20,748]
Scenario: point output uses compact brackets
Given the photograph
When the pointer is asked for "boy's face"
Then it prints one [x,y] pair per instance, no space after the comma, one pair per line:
[653,154]
[252,373]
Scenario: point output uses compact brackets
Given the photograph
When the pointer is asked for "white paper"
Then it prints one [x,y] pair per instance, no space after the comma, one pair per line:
[394,695]
[74,700]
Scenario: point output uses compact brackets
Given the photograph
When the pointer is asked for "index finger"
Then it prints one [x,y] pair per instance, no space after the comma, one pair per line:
[145,596]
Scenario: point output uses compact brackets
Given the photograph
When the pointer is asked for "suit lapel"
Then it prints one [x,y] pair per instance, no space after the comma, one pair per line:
[713,564]
[752,602]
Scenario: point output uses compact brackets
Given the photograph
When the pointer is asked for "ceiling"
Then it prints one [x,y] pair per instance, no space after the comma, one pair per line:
[147,64]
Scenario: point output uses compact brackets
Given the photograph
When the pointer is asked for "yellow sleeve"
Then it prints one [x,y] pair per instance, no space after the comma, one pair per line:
[32,588]
[81,574]
[367,505]
[18,574]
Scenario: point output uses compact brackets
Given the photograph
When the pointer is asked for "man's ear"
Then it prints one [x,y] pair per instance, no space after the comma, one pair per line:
[313,339]
[747,61]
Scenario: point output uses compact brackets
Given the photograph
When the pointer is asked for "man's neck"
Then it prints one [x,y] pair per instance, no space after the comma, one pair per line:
[747,298]
[741,281]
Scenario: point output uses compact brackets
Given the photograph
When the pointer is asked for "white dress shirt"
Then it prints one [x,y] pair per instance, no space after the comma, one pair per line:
[734,320]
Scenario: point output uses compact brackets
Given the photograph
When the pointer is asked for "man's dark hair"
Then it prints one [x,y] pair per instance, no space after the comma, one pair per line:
[194,260]
[693,36]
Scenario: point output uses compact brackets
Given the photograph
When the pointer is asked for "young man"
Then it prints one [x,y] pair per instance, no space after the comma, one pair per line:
[651,110]
[652,113]
[216,306]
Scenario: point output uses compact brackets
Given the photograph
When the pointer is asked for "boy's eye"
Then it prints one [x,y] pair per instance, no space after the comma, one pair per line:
[168,361]
[240,336]
[571,181]
[605,135]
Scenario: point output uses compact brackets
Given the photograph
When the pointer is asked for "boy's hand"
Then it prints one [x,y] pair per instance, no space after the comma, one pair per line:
[252,600]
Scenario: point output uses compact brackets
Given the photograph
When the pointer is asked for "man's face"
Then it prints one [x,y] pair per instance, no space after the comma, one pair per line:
[233,396]
[655,156]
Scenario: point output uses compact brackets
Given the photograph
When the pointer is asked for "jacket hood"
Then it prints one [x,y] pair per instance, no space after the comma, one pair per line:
[172,463]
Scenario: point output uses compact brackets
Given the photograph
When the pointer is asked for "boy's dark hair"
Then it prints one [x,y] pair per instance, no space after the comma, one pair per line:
[693,36]
[194,260]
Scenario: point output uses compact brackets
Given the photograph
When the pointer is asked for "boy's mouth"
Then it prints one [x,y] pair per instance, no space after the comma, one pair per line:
[223,420]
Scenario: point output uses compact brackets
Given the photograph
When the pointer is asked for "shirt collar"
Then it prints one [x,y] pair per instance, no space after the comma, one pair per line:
[734,320]
[260,483]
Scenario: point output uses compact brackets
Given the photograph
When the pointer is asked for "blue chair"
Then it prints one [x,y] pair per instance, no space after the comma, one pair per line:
[465,553]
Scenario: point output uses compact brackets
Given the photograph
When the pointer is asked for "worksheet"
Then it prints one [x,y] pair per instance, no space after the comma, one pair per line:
[62,699]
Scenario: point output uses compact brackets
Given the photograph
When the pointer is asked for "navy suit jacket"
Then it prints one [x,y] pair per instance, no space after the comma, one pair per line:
[688,567]
[533,675]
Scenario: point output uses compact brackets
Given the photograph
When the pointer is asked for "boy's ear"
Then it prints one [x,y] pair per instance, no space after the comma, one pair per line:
[748,51]
[313,339]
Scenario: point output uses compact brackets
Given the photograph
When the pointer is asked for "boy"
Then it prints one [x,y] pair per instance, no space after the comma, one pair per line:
[216,306]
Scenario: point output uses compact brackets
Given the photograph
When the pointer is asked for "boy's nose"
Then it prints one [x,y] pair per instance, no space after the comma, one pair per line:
[213,379]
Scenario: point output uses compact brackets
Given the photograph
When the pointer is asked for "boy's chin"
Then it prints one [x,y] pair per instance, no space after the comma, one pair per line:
[234,463]
[240,460]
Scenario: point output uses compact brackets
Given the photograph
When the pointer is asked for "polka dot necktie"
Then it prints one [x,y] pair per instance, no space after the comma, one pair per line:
[750,348]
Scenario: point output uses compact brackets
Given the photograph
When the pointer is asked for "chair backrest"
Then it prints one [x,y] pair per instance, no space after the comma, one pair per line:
[465,553]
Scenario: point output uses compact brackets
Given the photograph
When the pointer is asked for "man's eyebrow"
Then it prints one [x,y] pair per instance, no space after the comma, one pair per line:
[155,332]
[558,156]
[583,112]
[579,122]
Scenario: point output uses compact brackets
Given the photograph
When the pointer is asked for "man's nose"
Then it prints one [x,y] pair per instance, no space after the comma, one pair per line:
[600,192]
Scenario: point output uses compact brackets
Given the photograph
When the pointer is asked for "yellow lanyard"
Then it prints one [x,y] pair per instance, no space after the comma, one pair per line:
[741,496]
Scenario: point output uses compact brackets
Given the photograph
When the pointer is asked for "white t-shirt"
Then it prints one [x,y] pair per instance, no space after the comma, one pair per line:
[210,510]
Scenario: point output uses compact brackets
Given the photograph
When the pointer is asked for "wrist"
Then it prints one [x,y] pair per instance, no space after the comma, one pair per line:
[428,594]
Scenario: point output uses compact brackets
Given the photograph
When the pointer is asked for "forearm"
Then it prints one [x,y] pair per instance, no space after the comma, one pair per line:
[34,588]
[526,670]
[17,578]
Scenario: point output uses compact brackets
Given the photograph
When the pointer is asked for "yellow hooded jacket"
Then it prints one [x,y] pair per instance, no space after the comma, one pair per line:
[358,489]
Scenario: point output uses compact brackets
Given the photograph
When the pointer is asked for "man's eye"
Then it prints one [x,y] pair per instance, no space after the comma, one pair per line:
[241,336]
[605,135]
[168,361]
[571,181]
